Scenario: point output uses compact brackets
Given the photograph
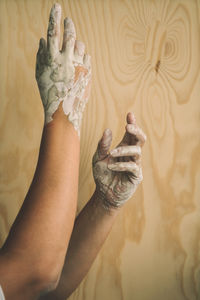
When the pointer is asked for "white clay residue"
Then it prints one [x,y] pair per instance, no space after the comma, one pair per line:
[55,71]
[117,181]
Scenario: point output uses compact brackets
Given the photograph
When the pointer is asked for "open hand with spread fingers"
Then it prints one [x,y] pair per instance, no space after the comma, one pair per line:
[118,173]
[63,76]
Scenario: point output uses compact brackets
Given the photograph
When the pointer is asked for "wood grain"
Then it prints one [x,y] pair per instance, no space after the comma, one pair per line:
[146,58]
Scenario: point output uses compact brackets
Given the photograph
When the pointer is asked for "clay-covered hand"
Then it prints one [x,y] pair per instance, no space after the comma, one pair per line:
[63,76]
[118,173]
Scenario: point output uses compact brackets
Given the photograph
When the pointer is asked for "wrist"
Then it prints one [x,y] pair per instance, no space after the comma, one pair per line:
[61,122]
[104,204]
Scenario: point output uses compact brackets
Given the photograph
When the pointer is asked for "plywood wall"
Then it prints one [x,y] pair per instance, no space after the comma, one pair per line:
[146,58]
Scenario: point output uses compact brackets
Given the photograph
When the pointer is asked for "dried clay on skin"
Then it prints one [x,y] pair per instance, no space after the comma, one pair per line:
[56,71]
[116,181]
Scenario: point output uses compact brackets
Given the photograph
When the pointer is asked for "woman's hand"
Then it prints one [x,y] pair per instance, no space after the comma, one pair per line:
[118,173]
[63,75]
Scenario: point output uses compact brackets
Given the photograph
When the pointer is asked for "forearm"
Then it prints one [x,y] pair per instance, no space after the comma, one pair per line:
[91,229]
[38,239]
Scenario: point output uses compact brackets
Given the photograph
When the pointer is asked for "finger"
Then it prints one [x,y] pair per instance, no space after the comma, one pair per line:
[127,139]
[104,144]
[79,51]
[126,151]
[41,54]
[131,167]
[69,37]
[53,33]
[87,61]
[42,47]
[137,133]
[130,118]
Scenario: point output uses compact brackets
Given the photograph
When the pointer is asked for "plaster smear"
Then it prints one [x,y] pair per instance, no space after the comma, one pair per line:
[63,76]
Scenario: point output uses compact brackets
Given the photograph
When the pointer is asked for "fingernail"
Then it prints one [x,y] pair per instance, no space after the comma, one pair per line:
[57,9]
[57,6]
[107,131]
[67,21]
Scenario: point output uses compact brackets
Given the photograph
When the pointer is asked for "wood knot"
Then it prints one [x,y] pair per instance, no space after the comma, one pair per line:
[157,66]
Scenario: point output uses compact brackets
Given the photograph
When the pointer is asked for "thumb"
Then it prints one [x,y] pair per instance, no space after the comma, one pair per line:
[42,46]
[104,144]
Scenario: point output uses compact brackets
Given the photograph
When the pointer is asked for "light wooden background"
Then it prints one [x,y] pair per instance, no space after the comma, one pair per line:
[153,251]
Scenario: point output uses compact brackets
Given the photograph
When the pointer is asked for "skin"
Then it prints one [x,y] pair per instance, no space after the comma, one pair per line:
[33,254]
[37,242]
[117,174]
[39,238]
[95,221]
[63,76]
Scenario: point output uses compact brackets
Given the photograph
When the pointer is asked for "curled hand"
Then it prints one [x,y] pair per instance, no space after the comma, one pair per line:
[118,173]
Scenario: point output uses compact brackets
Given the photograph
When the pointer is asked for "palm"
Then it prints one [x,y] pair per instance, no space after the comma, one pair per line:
[115,185]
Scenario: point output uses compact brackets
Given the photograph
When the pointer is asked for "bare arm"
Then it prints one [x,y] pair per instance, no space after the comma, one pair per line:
[92,226]
[95,221]
[33,255]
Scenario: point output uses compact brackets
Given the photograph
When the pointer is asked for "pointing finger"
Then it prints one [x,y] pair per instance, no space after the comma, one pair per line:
[53,33]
